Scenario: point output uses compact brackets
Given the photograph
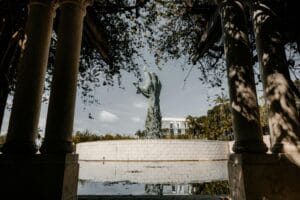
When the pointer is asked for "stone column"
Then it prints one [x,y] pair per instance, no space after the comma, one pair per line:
[283,117]
[243,99]
[59,125]
[25,114]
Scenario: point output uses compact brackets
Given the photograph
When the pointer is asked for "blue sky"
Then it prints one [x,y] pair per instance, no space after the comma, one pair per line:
[123,111]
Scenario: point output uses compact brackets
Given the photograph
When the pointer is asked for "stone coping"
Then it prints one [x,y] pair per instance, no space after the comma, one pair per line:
[152,197]
[151,140]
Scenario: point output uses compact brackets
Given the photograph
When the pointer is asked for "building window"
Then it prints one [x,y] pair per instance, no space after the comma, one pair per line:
[173,188]
[171,129]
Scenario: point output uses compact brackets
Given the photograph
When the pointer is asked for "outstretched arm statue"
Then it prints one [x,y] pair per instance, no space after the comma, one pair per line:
[151,90]
[145,90]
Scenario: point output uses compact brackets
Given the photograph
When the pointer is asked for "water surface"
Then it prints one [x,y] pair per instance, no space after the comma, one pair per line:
[148,178]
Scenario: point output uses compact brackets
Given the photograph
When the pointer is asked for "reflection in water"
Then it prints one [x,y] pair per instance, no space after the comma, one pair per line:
[166,189]
[152,178]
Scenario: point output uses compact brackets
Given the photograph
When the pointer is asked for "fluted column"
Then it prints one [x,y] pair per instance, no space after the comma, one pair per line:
[243,99]
[59,125]
[283,117]
[25,114]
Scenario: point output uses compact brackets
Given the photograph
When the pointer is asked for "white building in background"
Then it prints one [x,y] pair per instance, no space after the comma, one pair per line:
[174,126]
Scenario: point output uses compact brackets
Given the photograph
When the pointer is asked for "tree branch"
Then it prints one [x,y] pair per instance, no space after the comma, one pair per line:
[115,8]
[96,36]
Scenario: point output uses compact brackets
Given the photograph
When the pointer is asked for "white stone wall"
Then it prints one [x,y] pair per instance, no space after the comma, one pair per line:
[153,150]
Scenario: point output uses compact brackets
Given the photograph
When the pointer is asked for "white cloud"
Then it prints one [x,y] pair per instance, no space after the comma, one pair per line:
[136,119]
[140,105]
[106,116]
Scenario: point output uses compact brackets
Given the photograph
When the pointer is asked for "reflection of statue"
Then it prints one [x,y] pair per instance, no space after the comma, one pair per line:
[151,90]
[154,189]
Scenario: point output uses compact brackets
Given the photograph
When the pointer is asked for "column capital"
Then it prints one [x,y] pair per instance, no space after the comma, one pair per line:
[46,3]
[82,3]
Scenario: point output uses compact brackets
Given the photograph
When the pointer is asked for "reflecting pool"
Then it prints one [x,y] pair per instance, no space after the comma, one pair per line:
[148,178]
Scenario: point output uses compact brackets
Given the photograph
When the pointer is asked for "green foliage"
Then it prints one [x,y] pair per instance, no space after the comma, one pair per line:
[180,31]
[182,137]
[219,122]
[165,135]
[216,125]
[195,126]
[87,136]
[171,29]
[211,188]
[119,26]
[140,134]
[180,35]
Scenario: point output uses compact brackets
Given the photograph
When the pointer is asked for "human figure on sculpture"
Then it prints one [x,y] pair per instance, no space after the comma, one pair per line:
[151,90]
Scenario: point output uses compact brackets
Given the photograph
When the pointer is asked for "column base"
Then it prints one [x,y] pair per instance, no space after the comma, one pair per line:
[286,147]
[249,146]
[19,147]
[37,177]
[264,176]
[277,148]
[57,147]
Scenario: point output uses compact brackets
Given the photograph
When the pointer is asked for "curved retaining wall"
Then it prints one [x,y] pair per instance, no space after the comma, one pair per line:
[153,150]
